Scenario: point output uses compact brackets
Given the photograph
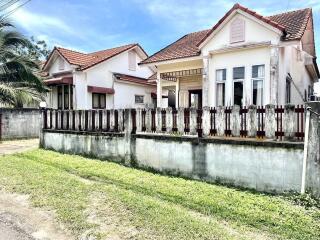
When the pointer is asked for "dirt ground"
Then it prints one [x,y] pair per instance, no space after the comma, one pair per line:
[18,219]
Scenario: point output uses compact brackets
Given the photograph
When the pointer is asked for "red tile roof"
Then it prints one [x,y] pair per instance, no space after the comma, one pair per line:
[133,79]
[292,24]
[295,22]
[87,60]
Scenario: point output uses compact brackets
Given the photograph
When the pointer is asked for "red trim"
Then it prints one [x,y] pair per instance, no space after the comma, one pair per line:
[238,6]
[94,89]
[61,80]
[133,79]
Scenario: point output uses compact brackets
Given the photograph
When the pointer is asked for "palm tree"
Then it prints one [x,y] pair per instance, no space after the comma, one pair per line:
[20,81]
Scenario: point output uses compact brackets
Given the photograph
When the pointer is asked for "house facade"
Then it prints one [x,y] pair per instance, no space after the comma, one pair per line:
[244,59]
[109,78]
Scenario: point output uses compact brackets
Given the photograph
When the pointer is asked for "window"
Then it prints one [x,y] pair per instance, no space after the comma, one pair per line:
[257,84]
[66,96]
[59,97]
[288,89]
[238,77]
[237,31]
[139,99]
[61,63]
[221,76]
[98,100]
[132,60]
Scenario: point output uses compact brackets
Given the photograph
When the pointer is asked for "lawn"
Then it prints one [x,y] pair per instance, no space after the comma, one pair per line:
[107,200]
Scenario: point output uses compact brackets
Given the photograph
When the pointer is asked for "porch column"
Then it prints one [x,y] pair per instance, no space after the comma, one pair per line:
[274,75]
[205,82]
[177,93]
[159,91]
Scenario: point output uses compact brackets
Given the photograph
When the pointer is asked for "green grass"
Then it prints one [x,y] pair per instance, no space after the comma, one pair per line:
[159,207]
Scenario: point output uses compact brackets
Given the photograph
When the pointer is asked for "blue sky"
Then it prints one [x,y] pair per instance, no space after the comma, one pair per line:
[99,24]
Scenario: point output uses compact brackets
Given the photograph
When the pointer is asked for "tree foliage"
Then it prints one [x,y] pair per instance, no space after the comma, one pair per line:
[20,81]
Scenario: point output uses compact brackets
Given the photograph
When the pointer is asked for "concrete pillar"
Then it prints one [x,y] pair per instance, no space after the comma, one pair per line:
[159,91]
[289,121]
[169,121]
[71,116]
[270,121]
[76,120]
[59,125]
[193,121]
[158,120]
[252,121]
[54,119]
[120,120]
[139,119]
[205,82]
[177,93]
[206,121]
[104,119]
[90,120]
[148,119]
[220,121]
[127,121]
[97,120]
[112,123]
[180,120]
[235,121]
[274,75]
[83,113]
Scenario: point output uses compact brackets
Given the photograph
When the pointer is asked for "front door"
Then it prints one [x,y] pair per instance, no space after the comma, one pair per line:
[195,98]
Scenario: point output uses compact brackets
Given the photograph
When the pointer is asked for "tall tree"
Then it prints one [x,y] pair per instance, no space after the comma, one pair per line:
[37,49]
[20,81]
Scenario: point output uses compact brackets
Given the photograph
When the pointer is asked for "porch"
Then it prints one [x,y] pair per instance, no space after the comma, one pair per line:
[181,88]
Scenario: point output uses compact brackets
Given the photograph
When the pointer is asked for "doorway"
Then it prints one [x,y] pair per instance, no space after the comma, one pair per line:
[195,98]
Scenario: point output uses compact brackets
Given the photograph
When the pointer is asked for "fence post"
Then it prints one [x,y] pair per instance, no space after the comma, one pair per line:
[235,121]
[206,121]
[220,121]
[127,121]
[120,119]
[148,119]
[193,121]
[158,120]
[289,121]
[139,119]
[270,121]
[169,121]
[112,120]
[252,121]
[180,120]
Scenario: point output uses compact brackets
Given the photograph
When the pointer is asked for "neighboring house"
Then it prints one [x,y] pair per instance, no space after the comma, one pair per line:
[244,59]
[105,79]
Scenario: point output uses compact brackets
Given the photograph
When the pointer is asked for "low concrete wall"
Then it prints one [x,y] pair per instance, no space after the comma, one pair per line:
[264,166]
[20,123]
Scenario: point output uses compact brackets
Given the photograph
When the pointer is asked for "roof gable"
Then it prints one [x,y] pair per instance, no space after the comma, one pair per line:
[88,60]
[291,24]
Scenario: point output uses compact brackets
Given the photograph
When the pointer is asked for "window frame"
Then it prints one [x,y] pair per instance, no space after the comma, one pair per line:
[238,80]
[135,99]
[258,79]
[99,95]
[223,82]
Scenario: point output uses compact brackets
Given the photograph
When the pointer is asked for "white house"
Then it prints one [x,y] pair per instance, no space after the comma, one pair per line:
[109,78]
[244,59]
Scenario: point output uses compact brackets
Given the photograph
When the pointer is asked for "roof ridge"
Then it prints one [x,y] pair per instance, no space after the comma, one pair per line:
[289,12]
[126,45]
[70,50]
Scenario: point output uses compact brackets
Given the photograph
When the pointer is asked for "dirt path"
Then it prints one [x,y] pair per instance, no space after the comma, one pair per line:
[15,146]
[20,221]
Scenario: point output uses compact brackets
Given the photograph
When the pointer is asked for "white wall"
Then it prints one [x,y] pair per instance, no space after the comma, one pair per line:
[254,32]
[125,95]
[54,68]
[246,58]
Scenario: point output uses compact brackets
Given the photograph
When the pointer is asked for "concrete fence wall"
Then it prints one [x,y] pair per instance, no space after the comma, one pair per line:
[139,138]
[20,123]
